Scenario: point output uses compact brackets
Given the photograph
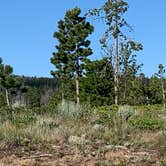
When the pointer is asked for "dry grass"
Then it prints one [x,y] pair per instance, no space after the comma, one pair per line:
[48,132]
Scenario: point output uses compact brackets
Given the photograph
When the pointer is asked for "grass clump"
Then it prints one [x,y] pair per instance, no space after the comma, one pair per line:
[24,119]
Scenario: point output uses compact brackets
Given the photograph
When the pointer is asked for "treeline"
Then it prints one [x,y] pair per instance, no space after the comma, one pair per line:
[115,78]
[37,91]
[96,88]
[31,92]
[104,79]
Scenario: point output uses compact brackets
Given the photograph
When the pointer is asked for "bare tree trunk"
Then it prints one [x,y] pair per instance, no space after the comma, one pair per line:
[62,92]
[116,62]
[77,90]
[7,97]
[77,81]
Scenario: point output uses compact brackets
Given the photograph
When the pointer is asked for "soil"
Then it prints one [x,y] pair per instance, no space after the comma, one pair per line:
[79,155]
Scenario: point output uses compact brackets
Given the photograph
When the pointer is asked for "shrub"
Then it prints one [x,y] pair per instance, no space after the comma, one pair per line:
[17,104]
[146,123]
[69,109]
[52,105]
[125,112]
[2,100]
[148,108]
[105,114]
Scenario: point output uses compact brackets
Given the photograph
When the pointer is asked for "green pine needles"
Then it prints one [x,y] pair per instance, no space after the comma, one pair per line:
[7,80]
[72,50]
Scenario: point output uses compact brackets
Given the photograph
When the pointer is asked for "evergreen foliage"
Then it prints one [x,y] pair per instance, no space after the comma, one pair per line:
[160,74]
[113,13]
[97,84]
[128,70]
[8,81]
[72,49]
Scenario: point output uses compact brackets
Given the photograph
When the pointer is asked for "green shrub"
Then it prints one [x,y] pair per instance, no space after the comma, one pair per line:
[51,107]
[148,108]
[146,123]
[105,114]
[6,113]
[3,114]
[2,100]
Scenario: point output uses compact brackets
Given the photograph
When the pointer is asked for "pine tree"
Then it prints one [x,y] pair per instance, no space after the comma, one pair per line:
[72,49]
[128,68]
[97,85]
[7,80]
[160,74]
[112,12]
[154,90]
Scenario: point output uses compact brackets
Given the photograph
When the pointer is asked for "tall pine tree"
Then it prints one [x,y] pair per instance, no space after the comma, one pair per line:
[112,12]
[72,49]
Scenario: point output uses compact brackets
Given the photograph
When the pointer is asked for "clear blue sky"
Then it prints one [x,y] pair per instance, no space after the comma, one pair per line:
[27,27]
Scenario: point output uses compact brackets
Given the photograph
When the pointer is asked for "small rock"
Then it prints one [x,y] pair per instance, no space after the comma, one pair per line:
[93,153]
[78,140]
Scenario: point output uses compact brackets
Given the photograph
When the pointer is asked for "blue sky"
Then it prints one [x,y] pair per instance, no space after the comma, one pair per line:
[27,27]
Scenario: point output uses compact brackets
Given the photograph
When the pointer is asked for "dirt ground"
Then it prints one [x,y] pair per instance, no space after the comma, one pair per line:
[80,155]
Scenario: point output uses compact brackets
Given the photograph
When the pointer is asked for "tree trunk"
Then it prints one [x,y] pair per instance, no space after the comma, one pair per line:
[62,94]
[116,61]
[77,81]
[77,90]
[7,97]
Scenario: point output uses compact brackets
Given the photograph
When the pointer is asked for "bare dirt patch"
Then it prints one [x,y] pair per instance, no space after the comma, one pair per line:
[82,155]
